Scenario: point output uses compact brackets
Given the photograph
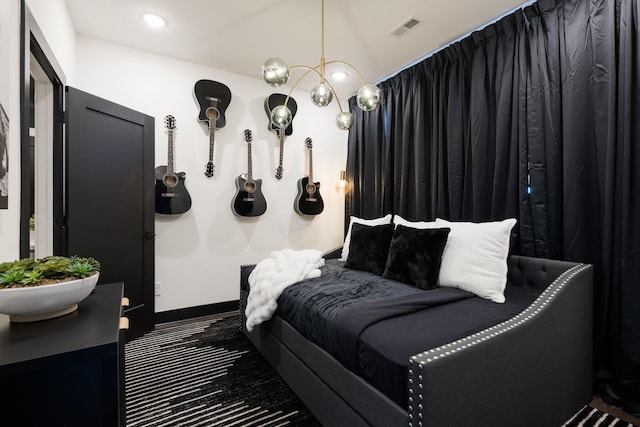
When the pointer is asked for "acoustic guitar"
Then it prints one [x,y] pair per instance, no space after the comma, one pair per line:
[172,197]
[309,201]
[214,98]
[271,102]
[249,200]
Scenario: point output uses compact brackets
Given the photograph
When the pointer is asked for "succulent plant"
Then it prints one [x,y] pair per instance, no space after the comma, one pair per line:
[11,277]
[51,269]
[81,268]
[22,264]
[54,266]
[32,277]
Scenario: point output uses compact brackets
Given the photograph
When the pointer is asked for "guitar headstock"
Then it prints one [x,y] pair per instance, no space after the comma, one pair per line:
[170,122]
[247,135]
[279,171]
[308,142]
[209,169]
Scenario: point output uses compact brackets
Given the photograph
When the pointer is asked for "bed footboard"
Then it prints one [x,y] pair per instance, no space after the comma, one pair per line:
[533,370]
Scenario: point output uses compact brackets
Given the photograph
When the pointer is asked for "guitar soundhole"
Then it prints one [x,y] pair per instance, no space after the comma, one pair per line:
[209,170]
[170,180]
[279,171]
[212,114]
[311,188]
[250,187]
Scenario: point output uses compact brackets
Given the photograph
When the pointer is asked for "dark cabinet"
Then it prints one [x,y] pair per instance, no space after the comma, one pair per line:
[67,371]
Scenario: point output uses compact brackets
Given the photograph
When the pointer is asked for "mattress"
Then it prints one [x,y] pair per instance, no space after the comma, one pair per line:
[373,325]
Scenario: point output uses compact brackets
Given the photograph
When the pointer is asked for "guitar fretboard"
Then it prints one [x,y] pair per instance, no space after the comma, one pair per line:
[249,163]
[212,114]
[310,164]
[281,136]
[170,152]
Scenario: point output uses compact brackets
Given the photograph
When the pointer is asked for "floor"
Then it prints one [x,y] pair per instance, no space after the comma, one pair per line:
[597,401]
[616,411]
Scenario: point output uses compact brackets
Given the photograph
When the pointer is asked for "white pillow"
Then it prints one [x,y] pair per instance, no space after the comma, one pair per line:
[376,221]
[398,220]
[475,257]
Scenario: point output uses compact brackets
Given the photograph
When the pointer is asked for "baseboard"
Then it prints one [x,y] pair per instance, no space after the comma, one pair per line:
[198,311]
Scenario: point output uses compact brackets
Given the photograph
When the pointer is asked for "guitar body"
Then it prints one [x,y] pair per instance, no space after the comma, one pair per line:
[275,99]
[249,200]
[172,199]
[205,89]
[308,203]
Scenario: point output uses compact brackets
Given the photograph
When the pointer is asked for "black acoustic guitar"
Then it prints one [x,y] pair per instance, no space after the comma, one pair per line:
[172,197]
[249,200]
[214,98]
[309,201]
[270,103]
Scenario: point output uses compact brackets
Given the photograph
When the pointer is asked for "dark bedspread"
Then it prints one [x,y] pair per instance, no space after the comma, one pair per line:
[387,321]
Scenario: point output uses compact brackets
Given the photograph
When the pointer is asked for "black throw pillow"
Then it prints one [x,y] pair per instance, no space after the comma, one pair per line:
[415,256]
[369,247]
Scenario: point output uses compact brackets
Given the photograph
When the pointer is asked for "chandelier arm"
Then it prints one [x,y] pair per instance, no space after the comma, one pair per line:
[309,70]
[304,67]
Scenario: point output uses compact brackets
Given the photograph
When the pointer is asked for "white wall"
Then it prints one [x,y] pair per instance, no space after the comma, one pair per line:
[53,20]
[55,23]
[10,99]
[198,254]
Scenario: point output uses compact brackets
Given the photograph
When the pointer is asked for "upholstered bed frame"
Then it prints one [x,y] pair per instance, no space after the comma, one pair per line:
[532,370]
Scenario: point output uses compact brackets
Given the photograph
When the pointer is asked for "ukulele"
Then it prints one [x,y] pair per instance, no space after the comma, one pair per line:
[309,201]
[172,197]
[214,98]
[249,200]
[270,103]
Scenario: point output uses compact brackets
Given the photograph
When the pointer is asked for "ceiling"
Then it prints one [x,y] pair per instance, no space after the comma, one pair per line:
[239,35]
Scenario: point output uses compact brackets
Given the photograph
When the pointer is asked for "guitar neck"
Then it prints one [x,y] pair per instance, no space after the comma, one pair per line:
[170,152]
[212,115]
[281,136]
[310,165]
[212,138]
[249,163]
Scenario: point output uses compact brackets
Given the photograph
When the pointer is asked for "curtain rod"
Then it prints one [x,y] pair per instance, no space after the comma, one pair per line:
[433,52]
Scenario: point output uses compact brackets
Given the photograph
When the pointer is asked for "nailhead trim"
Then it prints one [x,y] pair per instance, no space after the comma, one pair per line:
[526,315]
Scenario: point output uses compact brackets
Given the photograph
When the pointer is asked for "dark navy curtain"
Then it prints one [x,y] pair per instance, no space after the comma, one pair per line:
[534,117]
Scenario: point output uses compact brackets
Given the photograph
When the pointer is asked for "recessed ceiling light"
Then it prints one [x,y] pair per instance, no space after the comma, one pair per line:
[339,75]
[154,20]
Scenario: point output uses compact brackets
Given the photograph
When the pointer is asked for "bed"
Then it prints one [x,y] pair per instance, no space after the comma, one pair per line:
[523,362]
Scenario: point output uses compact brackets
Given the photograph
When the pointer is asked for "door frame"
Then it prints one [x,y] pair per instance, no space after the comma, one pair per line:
[41,51]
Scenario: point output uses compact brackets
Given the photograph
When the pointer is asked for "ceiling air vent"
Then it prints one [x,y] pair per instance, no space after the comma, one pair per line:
[405,26]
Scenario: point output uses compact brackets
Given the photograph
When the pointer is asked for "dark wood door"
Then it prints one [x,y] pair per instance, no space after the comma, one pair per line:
[110,197]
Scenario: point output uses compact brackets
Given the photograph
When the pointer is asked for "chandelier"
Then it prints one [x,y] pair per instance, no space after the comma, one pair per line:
[276,73]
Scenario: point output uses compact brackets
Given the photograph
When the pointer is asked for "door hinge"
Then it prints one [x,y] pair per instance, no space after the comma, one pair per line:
[64,117]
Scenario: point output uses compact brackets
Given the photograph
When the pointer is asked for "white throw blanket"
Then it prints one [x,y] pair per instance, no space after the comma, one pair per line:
[272,275]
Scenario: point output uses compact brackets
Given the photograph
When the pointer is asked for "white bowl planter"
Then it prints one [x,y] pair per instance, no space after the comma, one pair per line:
[42,302]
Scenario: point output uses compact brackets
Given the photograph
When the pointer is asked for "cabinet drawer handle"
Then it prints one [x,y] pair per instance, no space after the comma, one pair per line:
[124,323]
[125,302]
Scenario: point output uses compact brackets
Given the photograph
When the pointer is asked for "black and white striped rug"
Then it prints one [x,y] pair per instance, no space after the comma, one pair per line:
[206,373]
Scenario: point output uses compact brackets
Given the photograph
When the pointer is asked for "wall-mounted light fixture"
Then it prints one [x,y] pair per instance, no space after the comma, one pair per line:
[276,73]
[342,186]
